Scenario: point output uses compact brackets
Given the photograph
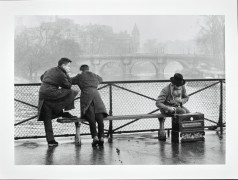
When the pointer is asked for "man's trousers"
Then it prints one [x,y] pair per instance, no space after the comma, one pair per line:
[92,118]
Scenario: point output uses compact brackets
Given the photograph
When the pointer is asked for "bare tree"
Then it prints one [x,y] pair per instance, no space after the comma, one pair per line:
[39,47]
[211,38]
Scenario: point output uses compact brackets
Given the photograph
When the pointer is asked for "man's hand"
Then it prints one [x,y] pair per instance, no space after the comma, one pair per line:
[178,100]
[172,109]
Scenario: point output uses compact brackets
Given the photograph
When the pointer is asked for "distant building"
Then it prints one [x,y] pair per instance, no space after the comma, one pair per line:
[101,40]
[135,39]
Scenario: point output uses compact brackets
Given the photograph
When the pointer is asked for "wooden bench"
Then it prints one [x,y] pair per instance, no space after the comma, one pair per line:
[78,121]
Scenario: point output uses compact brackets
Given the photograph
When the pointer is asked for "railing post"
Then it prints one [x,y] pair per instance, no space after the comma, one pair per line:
[110,132]
[220,121]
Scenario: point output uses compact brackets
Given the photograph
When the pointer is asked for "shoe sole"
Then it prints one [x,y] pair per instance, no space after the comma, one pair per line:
[51,145]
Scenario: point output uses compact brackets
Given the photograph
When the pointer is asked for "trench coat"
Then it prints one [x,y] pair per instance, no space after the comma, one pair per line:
[55,93]
[88,83]
[166,98]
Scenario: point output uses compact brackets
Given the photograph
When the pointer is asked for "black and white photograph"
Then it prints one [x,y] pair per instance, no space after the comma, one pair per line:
[115,79]
[146,86]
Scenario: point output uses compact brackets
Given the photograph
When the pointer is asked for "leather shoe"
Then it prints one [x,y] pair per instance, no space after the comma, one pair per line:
[53,143]
[95,141]
[101,142]
[68,115]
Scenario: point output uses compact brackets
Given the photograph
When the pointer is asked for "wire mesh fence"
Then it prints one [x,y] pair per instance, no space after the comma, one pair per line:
[126,98]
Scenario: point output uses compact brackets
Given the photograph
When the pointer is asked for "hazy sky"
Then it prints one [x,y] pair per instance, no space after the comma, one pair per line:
[163,28]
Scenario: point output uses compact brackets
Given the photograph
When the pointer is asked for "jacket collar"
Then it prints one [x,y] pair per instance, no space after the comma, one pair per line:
[61,69]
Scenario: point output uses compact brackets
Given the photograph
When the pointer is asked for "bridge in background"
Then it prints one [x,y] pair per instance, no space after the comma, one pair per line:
[128,64]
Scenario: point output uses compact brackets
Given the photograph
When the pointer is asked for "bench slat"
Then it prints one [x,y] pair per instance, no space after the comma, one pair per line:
[122,117]
[138,116]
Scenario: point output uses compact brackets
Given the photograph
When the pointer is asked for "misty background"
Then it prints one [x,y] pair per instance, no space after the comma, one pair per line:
[111,45]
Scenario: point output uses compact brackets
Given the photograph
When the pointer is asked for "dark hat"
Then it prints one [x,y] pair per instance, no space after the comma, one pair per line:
[177,79]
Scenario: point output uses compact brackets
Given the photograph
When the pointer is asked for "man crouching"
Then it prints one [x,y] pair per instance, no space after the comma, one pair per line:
[55,95]
[171,100]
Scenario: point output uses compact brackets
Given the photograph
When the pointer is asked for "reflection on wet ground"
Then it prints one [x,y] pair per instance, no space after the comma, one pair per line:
[126,149]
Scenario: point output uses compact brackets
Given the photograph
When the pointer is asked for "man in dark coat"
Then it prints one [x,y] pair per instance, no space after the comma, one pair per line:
[55,94]
[91,104]
[171,100]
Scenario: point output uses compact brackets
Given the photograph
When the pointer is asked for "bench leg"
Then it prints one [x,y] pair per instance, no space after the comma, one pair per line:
[110,135]
[77,134]
[110,138]
[161,132]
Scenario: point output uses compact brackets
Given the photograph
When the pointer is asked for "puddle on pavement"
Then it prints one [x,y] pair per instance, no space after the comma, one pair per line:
[31,145]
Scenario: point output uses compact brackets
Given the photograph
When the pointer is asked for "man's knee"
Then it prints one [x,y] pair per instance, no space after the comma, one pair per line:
[186,110]
[75,92]
[183,111]
[180,110]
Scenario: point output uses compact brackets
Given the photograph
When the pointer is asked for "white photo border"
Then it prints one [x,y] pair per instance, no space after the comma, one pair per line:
[8,11]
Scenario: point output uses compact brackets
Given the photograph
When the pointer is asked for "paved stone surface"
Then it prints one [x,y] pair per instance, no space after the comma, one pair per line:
[126,149]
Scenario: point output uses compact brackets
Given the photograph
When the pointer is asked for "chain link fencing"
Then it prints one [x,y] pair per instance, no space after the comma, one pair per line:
[125,98]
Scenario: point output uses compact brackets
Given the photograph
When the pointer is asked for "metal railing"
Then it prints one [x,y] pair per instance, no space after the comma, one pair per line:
[123,98]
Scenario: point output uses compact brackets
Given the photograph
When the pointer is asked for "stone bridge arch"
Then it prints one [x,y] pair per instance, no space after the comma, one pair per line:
[124,64]
[172,67]
[148,62]
[112,68]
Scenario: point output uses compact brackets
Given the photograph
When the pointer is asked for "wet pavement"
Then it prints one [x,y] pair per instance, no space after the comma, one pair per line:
[126,149]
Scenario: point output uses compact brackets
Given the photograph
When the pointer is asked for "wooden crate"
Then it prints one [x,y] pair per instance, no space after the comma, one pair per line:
[188,127]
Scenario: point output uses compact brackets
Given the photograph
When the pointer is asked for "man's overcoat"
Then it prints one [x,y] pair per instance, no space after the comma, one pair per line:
[55,93]
[88,83]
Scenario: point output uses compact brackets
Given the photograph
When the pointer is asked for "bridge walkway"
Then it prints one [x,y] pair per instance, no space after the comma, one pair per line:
[126,149]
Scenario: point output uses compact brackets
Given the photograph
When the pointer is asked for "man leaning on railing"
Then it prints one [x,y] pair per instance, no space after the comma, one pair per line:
[55,95]
[91,103]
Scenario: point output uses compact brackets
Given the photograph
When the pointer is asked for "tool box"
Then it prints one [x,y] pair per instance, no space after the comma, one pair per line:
[188,127]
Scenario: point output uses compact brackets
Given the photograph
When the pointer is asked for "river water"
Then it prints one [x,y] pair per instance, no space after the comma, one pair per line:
[123,103]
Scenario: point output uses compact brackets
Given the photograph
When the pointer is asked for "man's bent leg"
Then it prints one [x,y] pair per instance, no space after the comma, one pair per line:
[71,96]
[180,110]
[185,109]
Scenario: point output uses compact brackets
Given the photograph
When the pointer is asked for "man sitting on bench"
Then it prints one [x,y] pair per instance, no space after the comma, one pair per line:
[55,95]
[171,100]
[91,104]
